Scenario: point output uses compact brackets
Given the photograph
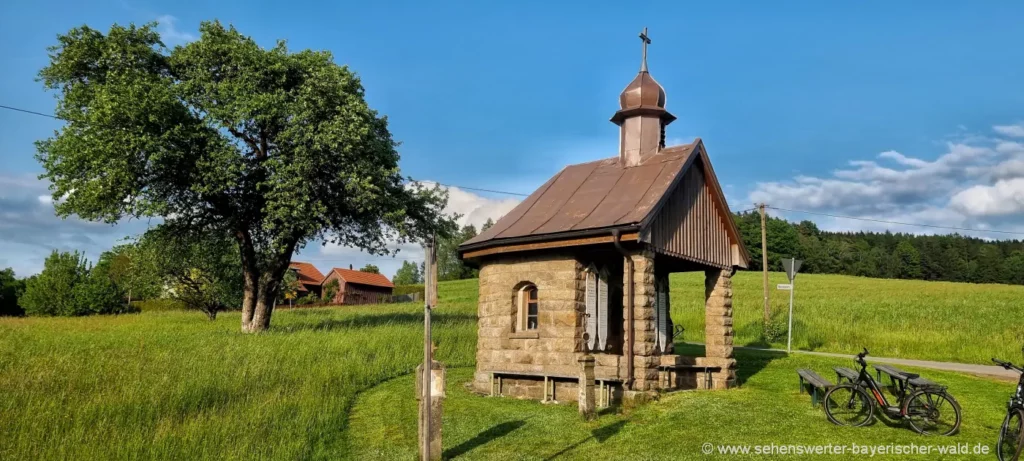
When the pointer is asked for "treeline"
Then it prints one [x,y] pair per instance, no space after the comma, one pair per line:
[198,272]
[952,257]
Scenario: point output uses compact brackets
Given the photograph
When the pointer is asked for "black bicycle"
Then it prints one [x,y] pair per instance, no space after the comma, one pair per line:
[927,407]
[1009,446]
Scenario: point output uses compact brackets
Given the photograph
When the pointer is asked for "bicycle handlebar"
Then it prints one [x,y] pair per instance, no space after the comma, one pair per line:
[860,358]
[1008,365]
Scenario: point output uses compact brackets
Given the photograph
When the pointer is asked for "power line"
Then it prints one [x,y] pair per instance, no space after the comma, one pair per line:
[897,222]
[473,188]
[32,112]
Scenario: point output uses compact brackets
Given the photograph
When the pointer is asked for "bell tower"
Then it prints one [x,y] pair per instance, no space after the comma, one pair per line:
[641,117]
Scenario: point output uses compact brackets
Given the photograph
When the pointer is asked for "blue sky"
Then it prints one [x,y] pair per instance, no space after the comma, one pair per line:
[908,111]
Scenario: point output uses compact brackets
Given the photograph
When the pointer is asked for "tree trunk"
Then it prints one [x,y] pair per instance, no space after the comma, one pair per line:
[250,279]
[249,301]
[264,309]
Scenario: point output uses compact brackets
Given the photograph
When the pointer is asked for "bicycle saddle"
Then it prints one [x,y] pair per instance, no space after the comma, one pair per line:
[912,375]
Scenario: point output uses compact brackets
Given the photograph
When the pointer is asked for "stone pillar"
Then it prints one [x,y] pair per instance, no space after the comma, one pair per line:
[437,378]
[586,387]
[718,332]
[645,360]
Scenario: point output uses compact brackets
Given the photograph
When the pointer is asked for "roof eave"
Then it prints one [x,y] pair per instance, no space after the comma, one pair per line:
[628,227]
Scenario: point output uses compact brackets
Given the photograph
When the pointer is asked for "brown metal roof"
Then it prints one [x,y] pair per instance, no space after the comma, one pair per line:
[594,195]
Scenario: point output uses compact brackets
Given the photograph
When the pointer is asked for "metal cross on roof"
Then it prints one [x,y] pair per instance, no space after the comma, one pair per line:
[647,41]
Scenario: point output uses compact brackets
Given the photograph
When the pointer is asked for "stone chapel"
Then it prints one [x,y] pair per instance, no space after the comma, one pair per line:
[581,267]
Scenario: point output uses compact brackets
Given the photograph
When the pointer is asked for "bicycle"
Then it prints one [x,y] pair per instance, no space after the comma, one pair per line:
[928,408]
[1010,434]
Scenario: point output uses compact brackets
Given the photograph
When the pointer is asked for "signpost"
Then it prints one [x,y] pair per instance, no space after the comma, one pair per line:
[791,266]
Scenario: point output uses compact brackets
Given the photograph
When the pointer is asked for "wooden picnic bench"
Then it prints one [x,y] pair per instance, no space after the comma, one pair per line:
[813,384]
[848,374]
[900,381]
[603,391]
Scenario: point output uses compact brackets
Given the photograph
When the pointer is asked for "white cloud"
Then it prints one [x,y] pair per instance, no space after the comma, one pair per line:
[1005,197]
[169,32]
[974,181]
[1015,131]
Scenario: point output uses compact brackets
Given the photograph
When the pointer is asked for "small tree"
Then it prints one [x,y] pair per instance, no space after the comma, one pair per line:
[371,269]
[408,274]
[202,271]
[11,289]
[330,290]
[52,292]
[289,287]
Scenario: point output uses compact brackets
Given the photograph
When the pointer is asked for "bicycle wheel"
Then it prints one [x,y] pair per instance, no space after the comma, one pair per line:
[848,405]
[1009,446]
[932,412]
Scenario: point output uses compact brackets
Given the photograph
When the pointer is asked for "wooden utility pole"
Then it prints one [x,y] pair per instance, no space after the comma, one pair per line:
[429,435]
[764,262]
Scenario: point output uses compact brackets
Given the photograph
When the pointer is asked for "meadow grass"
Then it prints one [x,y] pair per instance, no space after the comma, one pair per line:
[944,321]
[766,409]
[173,385]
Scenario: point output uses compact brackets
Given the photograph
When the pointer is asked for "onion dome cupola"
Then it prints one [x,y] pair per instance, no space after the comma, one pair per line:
[641,116]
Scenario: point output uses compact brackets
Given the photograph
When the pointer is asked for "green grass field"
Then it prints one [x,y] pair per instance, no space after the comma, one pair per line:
[944,321]
[334,383]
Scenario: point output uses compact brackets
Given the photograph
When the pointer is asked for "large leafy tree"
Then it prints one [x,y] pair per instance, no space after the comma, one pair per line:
[272,147]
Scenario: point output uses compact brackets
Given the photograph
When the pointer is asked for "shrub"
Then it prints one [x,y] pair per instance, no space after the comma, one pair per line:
[409,289]
[330,290]
[159,305]
[776,328]
[309,298]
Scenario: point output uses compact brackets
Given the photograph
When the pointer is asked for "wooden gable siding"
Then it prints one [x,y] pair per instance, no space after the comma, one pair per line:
[689,225]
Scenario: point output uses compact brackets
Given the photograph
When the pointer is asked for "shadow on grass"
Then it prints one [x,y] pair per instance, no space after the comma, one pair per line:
[495,432]
[600,434]
[748,362]
[375,320]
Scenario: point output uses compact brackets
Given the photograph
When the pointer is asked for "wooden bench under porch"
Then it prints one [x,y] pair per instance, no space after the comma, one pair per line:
[603,392]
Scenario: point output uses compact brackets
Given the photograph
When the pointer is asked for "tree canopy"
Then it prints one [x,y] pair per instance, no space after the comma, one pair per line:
[408,274]
[272,147]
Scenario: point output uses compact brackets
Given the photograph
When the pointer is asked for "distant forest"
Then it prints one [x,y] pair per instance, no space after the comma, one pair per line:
[953,257]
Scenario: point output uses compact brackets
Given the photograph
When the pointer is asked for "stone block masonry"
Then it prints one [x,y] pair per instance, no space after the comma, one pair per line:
[553,346]
[718,331]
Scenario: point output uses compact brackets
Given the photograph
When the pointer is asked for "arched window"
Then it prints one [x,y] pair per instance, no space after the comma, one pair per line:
[528,307]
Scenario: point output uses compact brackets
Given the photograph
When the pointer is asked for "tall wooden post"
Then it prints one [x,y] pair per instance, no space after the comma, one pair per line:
[427,355]
[430,404]
[764,263]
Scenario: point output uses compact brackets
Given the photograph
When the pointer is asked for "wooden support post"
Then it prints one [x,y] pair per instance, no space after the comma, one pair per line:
[764,263]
